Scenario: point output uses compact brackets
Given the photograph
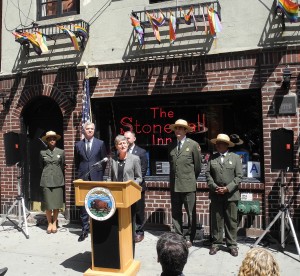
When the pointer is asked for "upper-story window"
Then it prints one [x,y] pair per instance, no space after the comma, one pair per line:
[56,8]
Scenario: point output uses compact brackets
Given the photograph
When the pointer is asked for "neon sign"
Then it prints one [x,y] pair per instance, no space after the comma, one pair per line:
[160,132]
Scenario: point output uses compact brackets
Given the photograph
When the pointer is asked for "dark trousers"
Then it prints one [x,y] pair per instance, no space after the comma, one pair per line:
[188,200]
[140,214]
[85,220]
[224,216]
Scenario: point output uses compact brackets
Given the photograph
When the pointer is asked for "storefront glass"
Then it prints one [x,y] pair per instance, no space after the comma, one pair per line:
[208,114]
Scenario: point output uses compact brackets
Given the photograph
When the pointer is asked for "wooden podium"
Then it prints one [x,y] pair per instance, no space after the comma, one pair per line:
[112,244]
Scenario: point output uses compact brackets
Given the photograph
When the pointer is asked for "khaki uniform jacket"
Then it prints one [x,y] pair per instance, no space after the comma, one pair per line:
[52,164]
[229,174]
[185,166]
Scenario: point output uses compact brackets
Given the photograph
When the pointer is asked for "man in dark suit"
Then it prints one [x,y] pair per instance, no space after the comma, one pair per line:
[89,151]
[224,173]
[140,205]
[185,167]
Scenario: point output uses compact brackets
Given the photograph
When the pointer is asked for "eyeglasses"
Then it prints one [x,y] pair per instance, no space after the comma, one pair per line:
[51,138]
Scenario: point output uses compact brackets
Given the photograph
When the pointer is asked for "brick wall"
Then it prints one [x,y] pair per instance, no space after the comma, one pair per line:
[249,70]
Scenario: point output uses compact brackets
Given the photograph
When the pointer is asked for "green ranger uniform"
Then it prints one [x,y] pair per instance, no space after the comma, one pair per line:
[224,207]
[185,166]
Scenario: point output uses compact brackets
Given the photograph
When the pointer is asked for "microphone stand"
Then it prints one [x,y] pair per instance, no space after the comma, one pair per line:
[85,177]
[284,214]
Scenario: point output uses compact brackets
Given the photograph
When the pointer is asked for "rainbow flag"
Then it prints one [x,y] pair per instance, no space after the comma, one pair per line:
[20,38]
[214,22]
[154,28]
[138,29]
[289,8]
[172,28]
[41,39]
[71,35]
[189,16]
[33,41]
[81,31]
[158,21]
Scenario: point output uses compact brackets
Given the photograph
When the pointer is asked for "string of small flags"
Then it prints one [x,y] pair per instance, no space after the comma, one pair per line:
[38,40]
[213,23]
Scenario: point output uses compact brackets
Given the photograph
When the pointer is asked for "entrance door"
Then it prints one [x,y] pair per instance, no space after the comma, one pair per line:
[39,116]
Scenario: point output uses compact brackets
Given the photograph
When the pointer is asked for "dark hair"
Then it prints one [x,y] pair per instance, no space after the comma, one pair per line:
[172,253]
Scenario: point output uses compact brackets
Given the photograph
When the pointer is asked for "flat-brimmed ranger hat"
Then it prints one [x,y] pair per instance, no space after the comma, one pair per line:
[234,138]
[181,123]
[223,138]
[51,133]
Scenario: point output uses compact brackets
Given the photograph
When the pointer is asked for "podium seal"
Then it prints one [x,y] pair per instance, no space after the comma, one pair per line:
[100,204]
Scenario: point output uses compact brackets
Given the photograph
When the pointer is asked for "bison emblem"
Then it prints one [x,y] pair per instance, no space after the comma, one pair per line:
[100,205]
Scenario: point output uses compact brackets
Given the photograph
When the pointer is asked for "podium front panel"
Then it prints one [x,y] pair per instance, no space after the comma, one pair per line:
[105,243]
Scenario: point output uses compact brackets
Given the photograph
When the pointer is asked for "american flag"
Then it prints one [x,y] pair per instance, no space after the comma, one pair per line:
[86,117]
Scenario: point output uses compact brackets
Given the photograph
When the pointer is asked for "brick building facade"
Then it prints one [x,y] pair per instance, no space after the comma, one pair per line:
[232,73]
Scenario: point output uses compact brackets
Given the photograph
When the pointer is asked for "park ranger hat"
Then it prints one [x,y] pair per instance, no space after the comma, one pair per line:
[234,138]
[223,138]
[182,123]
[51,133]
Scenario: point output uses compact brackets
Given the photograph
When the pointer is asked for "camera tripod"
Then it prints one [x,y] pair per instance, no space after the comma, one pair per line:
[22,211]
[283,213]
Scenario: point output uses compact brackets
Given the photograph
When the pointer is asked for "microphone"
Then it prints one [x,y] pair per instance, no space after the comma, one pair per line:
[104,160]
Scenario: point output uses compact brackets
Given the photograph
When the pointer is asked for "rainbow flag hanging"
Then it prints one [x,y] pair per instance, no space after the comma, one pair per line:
[214,22]
[189,16]
[289,8]
[172,28]
[138,29]
[81,32]
[154,28]
[33,41]
[20,38]
[41,39]
[158,21]
[71,35]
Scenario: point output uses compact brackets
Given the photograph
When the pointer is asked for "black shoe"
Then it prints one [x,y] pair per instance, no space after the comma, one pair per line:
[3,271]
[213,250]
[234,252]
[139,237]
[81,237]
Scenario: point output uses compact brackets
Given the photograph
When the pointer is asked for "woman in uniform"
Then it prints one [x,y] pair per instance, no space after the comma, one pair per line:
[52,161]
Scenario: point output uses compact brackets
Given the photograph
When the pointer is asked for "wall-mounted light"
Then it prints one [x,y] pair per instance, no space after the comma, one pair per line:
[286,78]
[4,101]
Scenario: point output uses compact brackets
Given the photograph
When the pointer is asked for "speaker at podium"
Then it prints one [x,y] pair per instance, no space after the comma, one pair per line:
[112,241]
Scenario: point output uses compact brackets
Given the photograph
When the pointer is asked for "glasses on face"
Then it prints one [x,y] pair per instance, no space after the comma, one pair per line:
[51,138]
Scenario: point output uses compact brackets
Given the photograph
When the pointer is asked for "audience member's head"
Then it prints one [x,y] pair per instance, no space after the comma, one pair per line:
[259,262]
[172,253]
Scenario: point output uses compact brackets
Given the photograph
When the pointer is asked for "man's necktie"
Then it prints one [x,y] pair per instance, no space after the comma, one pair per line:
[179,146]
[88,148]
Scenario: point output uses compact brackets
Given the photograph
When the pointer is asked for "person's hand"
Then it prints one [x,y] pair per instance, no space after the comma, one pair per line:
[221,190]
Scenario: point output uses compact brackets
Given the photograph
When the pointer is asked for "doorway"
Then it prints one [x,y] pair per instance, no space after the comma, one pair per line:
[39,116]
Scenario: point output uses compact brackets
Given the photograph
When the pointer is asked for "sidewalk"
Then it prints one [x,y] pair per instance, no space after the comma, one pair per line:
[61,254]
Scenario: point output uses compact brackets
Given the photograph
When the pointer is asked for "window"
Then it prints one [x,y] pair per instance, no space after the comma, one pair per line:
[57,8]
[209,114]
